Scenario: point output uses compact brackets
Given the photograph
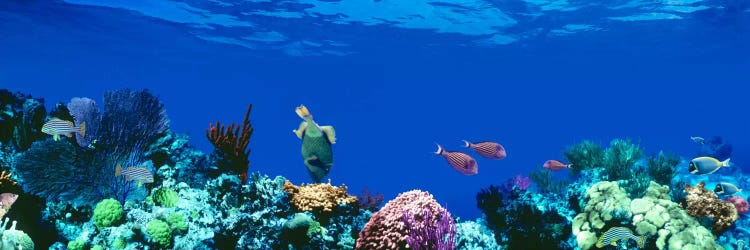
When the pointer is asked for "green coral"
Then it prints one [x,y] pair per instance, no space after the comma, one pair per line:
[620,157]
[97,247]
[165,197]
[14,239]
[107,213]
[661,168]
[76,244]
[160,232]
[584,155]
[544,179]
[177,222]
[119,243]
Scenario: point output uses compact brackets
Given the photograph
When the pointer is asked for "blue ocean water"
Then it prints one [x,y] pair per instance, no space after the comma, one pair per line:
[396,77]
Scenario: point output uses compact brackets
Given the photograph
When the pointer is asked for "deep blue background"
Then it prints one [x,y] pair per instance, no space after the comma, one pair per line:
[657,82]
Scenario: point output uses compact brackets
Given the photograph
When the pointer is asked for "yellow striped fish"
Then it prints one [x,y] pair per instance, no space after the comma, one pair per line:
[619,233]
[56,127]
[139,174]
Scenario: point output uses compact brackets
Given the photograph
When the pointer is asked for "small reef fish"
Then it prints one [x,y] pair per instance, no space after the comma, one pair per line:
[707,165]
[459,161]
[492,150]
[138,174]
[698,139]
[316,145]
[56,127]
[7,200]
[726,188]
[556,165]
[619,233]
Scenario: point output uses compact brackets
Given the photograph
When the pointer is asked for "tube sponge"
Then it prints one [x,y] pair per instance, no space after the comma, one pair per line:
[14,239]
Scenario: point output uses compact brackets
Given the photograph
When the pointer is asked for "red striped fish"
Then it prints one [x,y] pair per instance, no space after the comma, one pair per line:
[139,174]
[56,127]
[461,162]
[556,165]
[492,150]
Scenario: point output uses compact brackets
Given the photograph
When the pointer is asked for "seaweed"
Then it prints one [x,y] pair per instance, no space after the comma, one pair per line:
[584,155]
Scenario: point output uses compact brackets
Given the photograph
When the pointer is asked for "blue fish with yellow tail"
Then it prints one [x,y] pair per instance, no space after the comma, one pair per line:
[317,152]
[56,127]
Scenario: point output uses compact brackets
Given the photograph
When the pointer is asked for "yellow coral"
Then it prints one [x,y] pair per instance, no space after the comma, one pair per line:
[318,197]
[5,178]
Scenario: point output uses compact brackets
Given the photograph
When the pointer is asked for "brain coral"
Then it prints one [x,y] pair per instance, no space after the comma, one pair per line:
[318,198]
[386,230]
[654,215]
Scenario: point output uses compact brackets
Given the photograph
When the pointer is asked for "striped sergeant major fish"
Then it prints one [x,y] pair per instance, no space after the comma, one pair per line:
[619,233]
[56,127]
[138,174]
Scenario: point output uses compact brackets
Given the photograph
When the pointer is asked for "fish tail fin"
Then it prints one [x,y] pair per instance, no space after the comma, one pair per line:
[118,170]
[641,241]
[82,129]
[726,163]
[440,149]
[466,143]
[569,166]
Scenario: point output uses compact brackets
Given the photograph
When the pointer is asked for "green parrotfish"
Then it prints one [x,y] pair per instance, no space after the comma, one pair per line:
[317,140]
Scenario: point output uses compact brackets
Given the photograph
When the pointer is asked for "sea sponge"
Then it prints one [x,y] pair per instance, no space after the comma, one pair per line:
[702,202]
[14,239]
[107,213]
[76,244]
[159,232]
[739,203]
[318,198]
[165,197]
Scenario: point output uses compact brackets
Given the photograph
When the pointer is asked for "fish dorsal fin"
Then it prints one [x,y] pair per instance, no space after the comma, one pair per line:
[330,133]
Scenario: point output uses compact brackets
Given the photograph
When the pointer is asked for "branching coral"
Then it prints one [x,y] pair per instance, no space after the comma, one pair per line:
[386,229]
[620,157]
[441,234]
[702,202]
[231,143]
[320,199]
[584,155]
[545,181]
[661,168]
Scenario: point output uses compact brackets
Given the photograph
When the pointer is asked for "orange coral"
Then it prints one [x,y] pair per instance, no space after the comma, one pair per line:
[702,202]
[6,182]
[233,141]
[322,197]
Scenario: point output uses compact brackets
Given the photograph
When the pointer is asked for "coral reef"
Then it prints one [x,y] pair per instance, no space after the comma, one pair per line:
[474,235]
[318,198]
[386,229]
[653,216]
[85,110]
[231,145]
[703,203]
[661,168]
[740,203]
[584,155]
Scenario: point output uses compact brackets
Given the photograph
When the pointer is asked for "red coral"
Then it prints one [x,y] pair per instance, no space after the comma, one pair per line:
[702,202]
[739,203]
[233,142]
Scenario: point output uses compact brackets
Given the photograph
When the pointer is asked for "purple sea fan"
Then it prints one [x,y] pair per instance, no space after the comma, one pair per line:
[521,182]
[429,230]
[85,110]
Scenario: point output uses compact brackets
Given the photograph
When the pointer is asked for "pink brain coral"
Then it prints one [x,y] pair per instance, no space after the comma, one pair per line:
[740,203]
[386,228]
